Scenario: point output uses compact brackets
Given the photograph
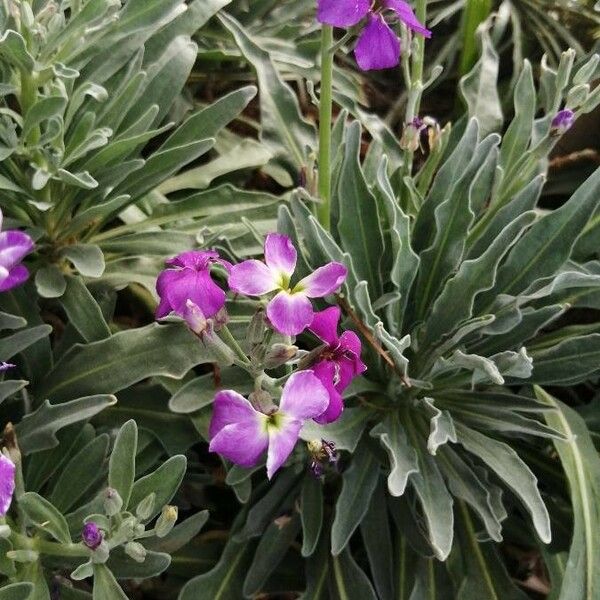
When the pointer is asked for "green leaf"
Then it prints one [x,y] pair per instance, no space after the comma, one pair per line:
[311,513]
[164,482]
[124,567]
[348,580]
[17,591]
[581,464]
[45,516]
[41,111]
[86,258]
[37,431]
[284,131]
[270,551]
[80,475]
[8,388]
[402,456]
[358,484]
[573,360]
[14,50]
[509,467]
[359,223]
[121,466]
[50,282]
[124,359]
[345,433]
[479,87]
[180,535]
[105,585]
[225,581]
[13,344]
[83,311]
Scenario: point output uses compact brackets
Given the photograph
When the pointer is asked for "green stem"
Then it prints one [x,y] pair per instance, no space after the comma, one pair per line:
[228,338]
[325,122]
[46,547]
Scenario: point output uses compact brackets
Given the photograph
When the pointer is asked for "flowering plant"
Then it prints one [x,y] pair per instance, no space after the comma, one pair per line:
[250,347]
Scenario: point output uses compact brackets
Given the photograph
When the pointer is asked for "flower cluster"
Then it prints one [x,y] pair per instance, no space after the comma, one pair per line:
[14,246]
[378,47]
[242,429]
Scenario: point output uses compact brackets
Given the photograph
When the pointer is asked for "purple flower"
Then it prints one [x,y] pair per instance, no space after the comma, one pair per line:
[241,433]
[7,483]
[4,366]
[338,363]
[91,536]
[14,246]
[378,47]
[562,121]
[290,311]
[188,278]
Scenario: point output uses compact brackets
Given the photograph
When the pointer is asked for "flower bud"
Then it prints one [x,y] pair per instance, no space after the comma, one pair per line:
[562,122]
[136,551]
[195,318]
[127,530]
[113,503]
[4,531]
[279,354]
[411,135]
[166,521]
[23,556]
[145,508]
[138,530]
[256,329]
[91,536]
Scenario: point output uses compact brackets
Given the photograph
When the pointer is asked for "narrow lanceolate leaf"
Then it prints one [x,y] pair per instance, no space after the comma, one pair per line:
[509,467]
[455,303]
[571,361]
[13,344]
[358,484]
[105,585]
[581,463]
[226,580]
[121,467]
[402,456]
[37,431]
[547,245]
[311,504]
[359,223]
[83,311]
[45,516]
[348,580]
[124,359]
[284,130]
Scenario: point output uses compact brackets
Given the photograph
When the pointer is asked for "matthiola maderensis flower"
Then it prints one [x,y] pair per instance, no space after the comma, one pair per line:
[378,47]
[562,121]
[290,310]
[7,483]
[4,366]
[188,277]
[241,433]
[14,246]
[338,363]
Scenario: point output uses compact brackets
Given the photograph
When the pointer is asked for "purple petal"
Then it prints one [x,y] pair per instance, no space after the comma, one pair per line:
[4,366]
[14,246]
[237,431]
[280,254]
[304,396]
[290,314]
[377,47]
[164,281]
[342,13]
[196,286]
[253,278]
[407,16]
[563,120]
[281,443]
[323,281]
[350,344]
[326,373]
[242,443]
[16,276]
[7,483]
[325,325]
[91,535]
[229,407]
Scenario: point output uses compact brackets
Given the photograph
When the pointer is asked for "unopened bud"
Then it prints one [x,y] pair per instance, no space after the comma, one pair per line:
[23,556]
[562,122]
[280,354]
[136,551]
[91,536]
[145,508]
[194,317]
[262,402]
[113,503]
[166,521]
[411,135]
[256,329]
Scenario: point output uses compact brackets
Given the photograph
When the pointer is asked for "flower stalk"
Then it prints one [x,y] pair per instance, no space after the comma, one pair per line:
[325,124]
